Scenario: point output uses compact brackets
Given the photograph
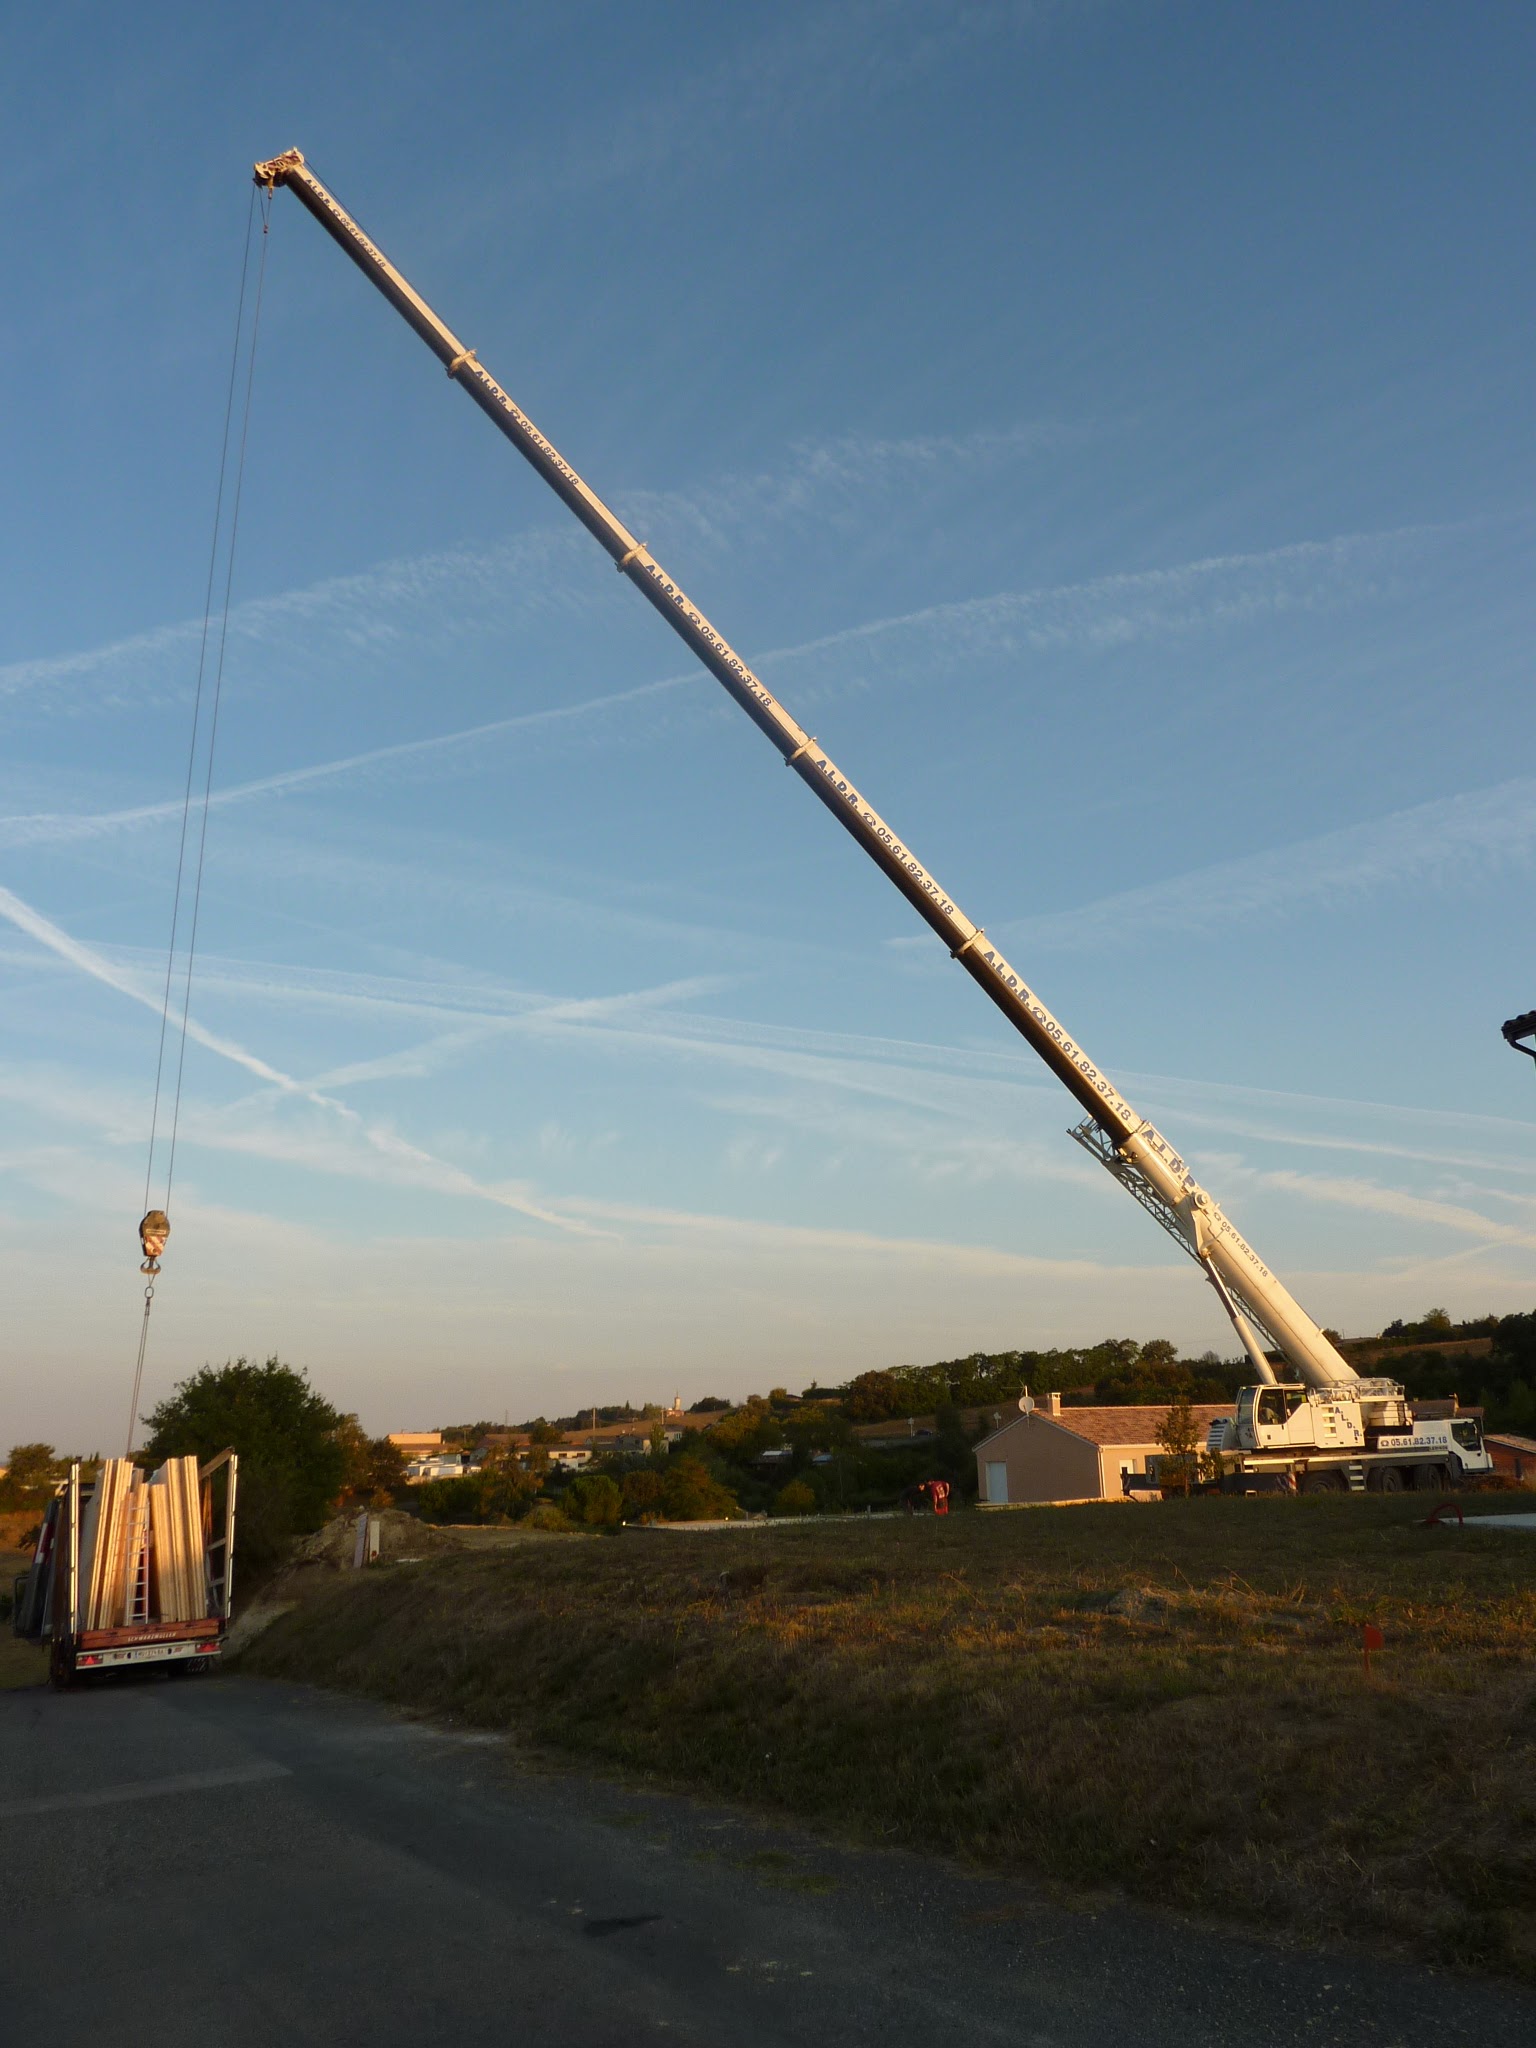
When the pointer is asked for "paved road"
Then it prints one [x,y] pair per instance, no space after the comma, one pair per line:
[239,1862]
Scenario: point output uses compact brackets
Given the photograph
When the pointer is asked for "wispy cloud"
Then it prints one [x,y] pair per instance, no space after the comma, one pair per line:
[1189,597]
[1101,612]
[1371,1197]
[413,607]
[61,827]
[1449,840]
[432,1172]
[947,1081]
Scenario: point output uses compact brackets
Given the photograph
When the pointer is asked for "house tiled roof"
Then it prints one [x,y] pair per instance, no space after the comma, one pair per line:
[1506,1442]
[1127,1425]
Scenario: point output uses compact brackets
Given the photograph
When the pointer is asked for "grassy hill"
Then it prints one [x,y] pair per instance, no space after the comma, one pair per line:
[1168,1702]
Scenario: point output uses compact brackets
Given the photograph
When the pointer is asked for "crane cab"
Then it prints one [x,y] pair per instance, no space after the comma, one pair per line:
[1287,1417]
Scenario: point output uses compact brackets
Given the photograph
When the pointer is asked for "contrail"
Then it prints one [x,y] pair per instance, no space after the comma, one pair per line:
[435,1172]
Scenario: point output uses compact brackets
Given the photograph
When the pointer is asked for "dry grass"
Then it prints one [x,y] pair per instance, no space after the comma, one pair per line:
[20,1663]
[1166,1701]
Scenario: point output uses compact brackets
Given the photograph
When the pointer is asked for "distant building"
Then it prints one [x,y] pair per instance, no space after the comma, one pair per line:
[1073,1454]
[417,1443]
[1514,1456]
[441,1465]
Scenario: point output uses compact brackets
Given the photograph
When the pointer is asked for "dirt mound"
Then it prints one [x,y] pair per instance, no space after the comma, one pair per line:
[400,1536]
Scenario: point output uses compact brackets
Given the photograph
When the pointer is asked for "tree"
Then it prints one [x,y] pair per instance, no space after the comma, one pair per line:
[1179,1440]
[31,1475]
[292,1461]
[640,1493]
[874,1397]
[710,1405]
[595,1499]
[374,1468]
[690,1492]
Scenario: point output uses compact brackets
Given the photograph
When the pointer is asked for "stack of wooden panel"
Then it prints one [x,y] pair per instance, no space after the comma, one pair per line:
[108,1560]
[176,1522]
[142,1550]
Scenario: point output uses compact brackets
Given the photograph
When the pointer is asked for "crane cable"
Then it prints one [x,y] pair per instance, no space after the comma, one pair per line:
[155,1229]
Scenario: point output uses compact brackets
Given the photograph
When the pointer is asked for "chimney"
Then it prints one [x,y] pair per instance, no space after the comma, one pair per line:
[1053,1404]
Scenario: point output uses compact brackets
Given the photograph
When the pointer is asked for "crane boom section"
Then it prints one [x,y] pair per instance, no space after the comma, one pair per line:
[1206,1232]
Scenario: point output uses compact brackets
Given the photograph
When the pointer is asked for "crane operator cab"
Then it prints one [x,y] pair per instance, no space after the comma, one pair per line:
[1288,1417]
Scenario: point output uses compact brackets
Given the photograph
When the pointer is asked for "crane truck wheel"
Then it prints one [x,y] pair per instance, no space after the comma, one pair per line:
[1429,1478]
[1322,1482]
[1386,1479]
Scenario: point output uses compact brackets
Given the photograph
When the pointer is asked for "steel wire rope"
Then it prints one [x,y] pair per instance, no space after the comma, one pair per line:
[192,749]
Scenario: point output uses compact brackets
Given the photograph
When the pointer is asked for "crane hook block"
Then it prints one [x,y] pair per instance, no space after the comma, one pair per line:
[153,1232]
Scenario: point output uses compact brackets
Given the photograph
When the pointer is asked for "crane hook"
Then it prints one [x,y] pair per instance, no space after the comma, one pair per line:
[153,1232]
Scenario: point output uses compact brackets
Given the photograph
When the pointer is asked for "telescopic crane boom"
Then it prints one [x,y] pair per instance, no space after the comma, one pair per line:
[1139,1157]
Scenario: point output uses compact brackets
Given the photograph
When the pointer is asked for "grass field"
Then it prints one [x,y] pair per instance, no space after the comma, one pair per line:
[1165,1701]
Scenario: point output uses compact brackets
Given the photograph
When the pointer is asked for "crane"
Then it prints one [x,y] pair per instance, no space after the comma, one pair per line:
[1261,1309]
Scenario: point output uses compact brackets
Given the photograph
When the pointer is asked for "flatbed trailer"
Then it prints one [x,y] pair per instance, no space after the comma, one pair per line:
[51,1598]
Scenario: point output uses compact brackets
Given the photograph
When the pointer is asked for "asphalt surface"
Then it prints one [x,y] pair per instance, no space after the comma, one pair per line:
[228,1860]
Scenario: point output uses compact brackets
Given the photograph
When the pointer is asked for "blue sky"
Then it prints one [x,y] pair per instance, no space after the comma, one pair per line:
[1107,426]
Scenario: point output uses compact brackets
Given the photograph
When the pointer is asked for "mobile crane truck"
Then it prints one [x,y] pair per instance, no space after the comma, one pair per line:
[1327,1428]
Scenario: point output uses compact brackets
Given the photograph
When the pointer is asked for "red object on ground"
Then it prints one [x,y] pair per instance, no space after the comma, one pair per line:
[1371,1638]
[1446,1507]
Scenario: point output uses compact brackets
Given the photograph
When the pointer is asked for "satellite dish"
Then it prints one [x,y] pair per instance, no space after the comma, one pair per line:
[1026,1403]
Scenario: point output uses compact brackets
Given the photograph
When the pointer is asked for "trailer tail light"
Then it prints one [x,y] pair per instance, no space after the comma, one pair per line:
[207,1649]
[81,1662]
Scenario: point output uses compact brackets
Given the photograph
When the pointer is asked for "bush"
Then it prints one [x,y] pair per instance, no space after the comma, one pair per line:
[452,1500]
[794,1499]
[545,1515]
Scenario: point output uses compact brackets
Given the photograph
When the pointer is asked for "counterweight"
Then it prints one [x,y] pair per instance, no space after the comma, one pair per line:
[1138,1155]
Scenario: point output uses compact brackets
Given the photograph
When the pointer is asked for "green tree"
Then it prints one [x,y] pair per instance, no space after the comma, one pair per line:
[292,1461]
[690,1492]
[640,1493]
[373,1470]
[31,1474]
[874,1397]
[594,1499]
[1179,1440]
[749,1432]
